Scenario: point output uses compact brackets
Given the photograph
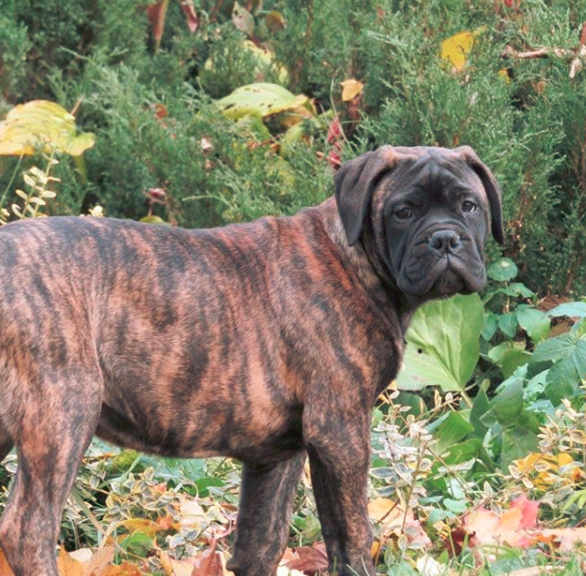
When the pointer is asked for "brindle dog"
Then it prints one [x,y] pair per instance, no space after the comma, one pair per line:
[267,342]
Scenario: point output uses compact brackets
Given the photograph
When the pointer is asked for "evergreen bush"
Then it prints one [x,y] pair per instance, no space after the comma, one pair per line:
[157,125]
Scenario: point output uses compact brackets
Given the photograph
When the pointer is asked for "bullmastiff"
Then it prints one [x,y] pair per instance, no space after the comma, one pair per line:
[268,342]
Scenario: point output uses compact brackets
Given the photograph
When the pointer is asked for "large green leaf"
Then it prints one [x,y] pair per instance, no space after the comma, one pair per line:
[263,99]
[443,344]
[41,126]
[568,353]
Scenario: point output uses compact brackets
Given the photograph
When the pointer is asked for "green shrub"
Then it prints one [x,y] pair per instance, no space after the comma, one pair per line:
[152,112]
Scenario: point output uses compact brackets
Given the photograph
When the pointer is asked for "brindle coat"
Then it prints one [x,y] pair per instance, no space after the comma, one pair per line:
[266,342]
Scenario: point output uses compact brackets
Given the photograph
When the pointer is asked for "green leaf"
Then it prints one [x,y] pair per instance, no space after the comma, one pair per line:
[502,270]
[507,405]
[443,344]
[535,322]
[263,99]
[568,352]
[451,430]
[463,452]
[42,126]
[518,441]
[508,356]
[491,324]
[481,406]
[570,309]
[508,323]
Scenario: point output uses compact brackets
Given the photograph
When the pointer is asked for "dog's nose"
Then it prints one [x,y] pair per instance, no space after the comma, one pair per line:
[444,241]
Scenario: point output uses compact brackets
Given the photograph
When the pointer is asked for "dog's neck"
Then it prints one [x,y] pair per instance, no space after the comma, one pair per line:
[361,260]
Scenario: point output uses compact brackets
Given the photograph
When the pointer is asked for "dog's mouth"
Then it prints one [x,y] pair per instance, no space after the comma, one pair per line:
[446,276]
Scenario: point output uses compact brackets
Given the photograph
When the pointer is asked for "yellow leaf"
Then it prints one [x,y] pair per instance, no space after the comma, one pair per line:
[544,470]
[386,511]
[457,48]
[350,89]
[40,125]
[142,525]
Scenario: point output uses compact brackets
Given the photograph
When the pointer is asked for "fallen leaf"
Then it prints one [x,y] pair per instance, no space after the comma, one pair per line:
[485,527]
[99,561]
[125,569]
[174,567]
[4,568]
[209,563]
[307,559]
[69,566]
[567,537]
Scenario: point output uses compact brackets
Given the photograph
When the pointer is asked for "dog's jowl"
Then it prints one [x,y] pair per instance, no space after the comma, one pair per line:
[268,342]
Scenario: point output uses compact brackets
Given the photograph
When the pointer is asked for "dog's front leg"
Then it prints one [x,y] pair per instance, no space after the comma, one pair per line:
[338,444]
[266,496]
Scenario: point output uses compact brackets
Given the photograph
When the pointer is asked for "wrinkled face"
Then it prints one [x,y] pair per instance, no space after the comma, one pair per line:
[435,218]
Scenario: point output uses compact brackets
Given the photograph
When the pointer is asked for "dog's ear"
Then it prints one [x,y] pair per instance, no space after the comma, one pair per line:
[493,190]
[355,182]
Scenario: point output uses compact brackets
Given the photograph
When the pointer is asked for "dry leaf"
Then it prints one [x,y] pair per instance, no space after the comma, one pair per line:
[307,559]
[209,563]
[125,569]
[488,528]
[4,568]
[351,89]
[567,537]
[456,49]
[69,566]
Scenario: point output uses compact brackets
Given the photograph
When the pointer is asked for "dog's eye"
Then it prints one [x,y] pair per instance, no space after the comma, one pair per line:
[468,206]
[403,213]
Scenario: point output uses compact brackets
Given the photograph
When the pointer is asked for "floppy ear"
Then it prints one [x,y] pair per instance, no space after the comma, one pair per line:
[493,190]
[355,182]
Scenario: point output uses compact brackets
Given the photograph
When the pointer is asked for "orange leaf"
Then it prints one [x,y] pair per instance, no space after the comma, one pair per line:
[307,559]
[209,563]
[68,566]
[142,525]
[567,537]
[125,569]
[487,527]
[4,568]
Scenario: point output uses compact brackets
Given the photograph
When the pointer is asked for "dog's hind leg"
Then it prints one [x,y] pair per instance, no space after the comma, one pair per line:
[51,430]
[262,528]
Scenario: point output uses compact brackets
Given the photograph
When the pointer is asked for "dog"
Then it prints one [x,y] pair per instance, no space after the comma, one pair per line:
[268,342]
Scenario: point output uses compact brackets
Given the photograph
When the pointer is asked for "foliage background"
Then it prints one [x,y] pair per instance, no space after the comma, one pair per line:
[525,118]
[512,421]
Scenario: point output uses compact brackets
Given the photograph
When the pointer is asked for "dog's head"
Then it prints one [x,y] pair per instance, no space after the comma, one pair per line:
[428,211]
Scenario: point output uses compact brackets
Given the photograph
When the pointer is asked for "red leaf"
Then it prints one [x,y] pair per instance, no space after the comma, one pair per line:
[190,14]
[156,14]
[309,559]
[209,563]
